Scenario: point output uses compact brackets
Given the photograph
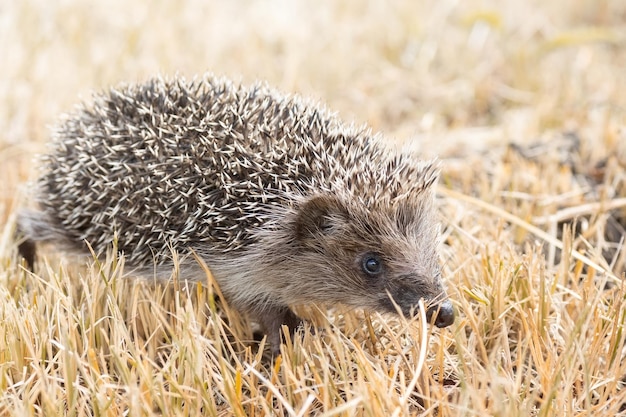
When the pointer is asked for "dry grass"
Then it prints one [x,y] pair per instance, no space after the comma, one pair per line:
[538,333]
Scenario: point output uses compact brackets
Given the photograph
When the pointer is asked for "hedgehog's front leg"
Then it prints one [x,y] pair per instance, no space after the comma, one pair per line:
[272,319]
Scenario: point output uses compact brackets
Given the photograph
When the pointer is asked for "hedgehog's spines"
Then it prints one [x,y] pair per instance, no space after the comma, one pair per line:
[205,162]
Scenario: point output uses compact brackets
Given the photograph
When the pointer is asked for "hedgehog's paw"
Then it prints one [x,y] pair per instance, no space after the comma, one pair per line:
[27,249]
[272,321]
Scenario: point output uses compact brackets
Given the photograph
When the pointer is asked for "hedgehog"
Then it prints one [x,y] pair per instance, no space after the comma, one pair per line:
[286,203]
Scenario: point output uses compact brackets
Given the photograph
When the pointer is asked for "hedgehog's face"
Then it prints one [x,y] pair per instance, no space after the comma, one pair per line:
[383,259]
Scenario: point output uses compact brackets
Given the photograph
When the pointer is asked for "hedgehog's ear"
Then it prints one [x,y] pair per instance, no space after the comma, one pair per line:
[412,214]
[321,214]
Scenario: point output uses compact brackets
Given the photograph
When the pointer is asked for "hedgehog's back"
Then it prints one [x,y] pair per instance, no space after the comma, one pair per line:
[175,164]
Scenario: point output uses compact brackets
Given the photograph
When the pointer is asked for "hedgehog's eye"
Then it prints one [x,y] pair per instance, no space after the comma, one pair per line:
[372,264]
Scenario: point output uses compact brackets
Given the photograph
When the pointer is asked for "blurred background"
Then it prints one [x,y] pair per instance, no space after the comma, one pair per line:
[449,77]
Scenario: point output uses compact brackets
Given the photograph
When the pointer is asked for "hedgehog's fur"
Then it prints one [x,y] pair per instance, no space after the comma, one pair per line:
[282,200]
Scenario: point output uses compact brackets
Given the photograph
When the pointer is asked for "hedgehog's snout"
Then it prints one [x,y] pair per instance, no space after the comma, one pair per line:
[444,314]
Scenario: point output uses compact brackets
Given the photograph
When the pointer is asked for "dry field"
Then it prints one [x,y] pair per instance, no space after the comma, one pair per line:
[524,102]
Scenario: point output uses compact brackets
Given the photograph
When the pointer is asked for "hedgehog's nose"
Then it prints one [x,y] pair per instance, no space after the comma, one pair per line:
[444,312]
